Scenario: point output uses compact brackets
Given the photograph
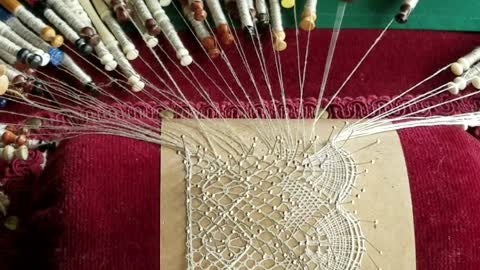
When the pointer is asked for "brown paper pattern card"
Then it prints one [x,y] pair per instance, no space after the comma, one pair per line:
[263,210]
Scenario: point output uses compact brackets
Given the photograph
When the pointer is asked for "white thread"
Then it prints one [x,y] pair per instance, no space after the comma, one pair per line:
[27,34]
[170,33]
[8,46]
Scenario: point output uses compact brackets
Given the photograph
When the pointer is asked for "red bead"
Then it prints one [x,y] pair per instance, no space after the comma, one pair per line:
[8,137]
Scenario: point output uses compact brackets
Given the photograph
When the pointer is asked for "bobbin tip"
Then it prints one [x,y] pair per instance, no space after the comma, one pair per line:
[91,88]
[83,47]
[8,153]
[308,23]
[186,60]
[45,59]
[139,86]
[21,153]
[57,41]
[476,82]
[401,18]
[453,88]
[165,3]
[279,45]
[456,69]
[34,61]
[461,83]
[288,3]
[111,65]
[37,88]
[4,83]
[48,34]
[151,42]
[132,54]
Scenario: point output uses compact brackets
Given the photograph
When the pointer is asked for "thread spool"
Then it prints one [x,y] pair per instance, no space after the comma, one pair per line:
[127,46]
[405,10]
[465,62]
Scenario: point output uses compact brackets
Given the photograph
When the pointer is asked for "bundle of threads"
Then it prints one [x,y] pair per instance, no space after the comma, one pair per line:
[29,42]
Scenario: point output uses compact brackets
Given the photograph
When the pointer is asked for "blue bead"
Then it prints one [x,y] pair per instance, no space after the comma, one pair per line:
[4,15]
[56,56]
[3,103]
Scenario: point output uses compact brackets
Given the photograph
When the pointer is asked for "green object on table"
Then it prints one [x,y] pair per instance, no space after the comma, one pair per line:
[446,15]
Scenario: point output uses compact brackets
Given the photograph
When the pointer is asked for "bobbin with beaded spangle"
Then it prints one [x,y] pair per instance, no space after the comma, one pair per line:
[146,17]
[221,23]
[279,43]
[208,42]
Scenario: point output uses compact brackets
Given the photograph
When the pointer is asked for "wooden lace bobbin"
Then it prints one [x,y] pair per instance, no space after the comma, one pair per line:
[83,47]
[112,45]
[121,9]
[405,10]
[246,17]
[220,20]
[465,62]
[170,33]
[125,43]
[6,32]
[309,17]
[46,32]
[263,18]
[19,29]
[198,9]
[142,11]
[150,41]
[208,42]
[74,23]
[23,55]
[279,43]
[460,83]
